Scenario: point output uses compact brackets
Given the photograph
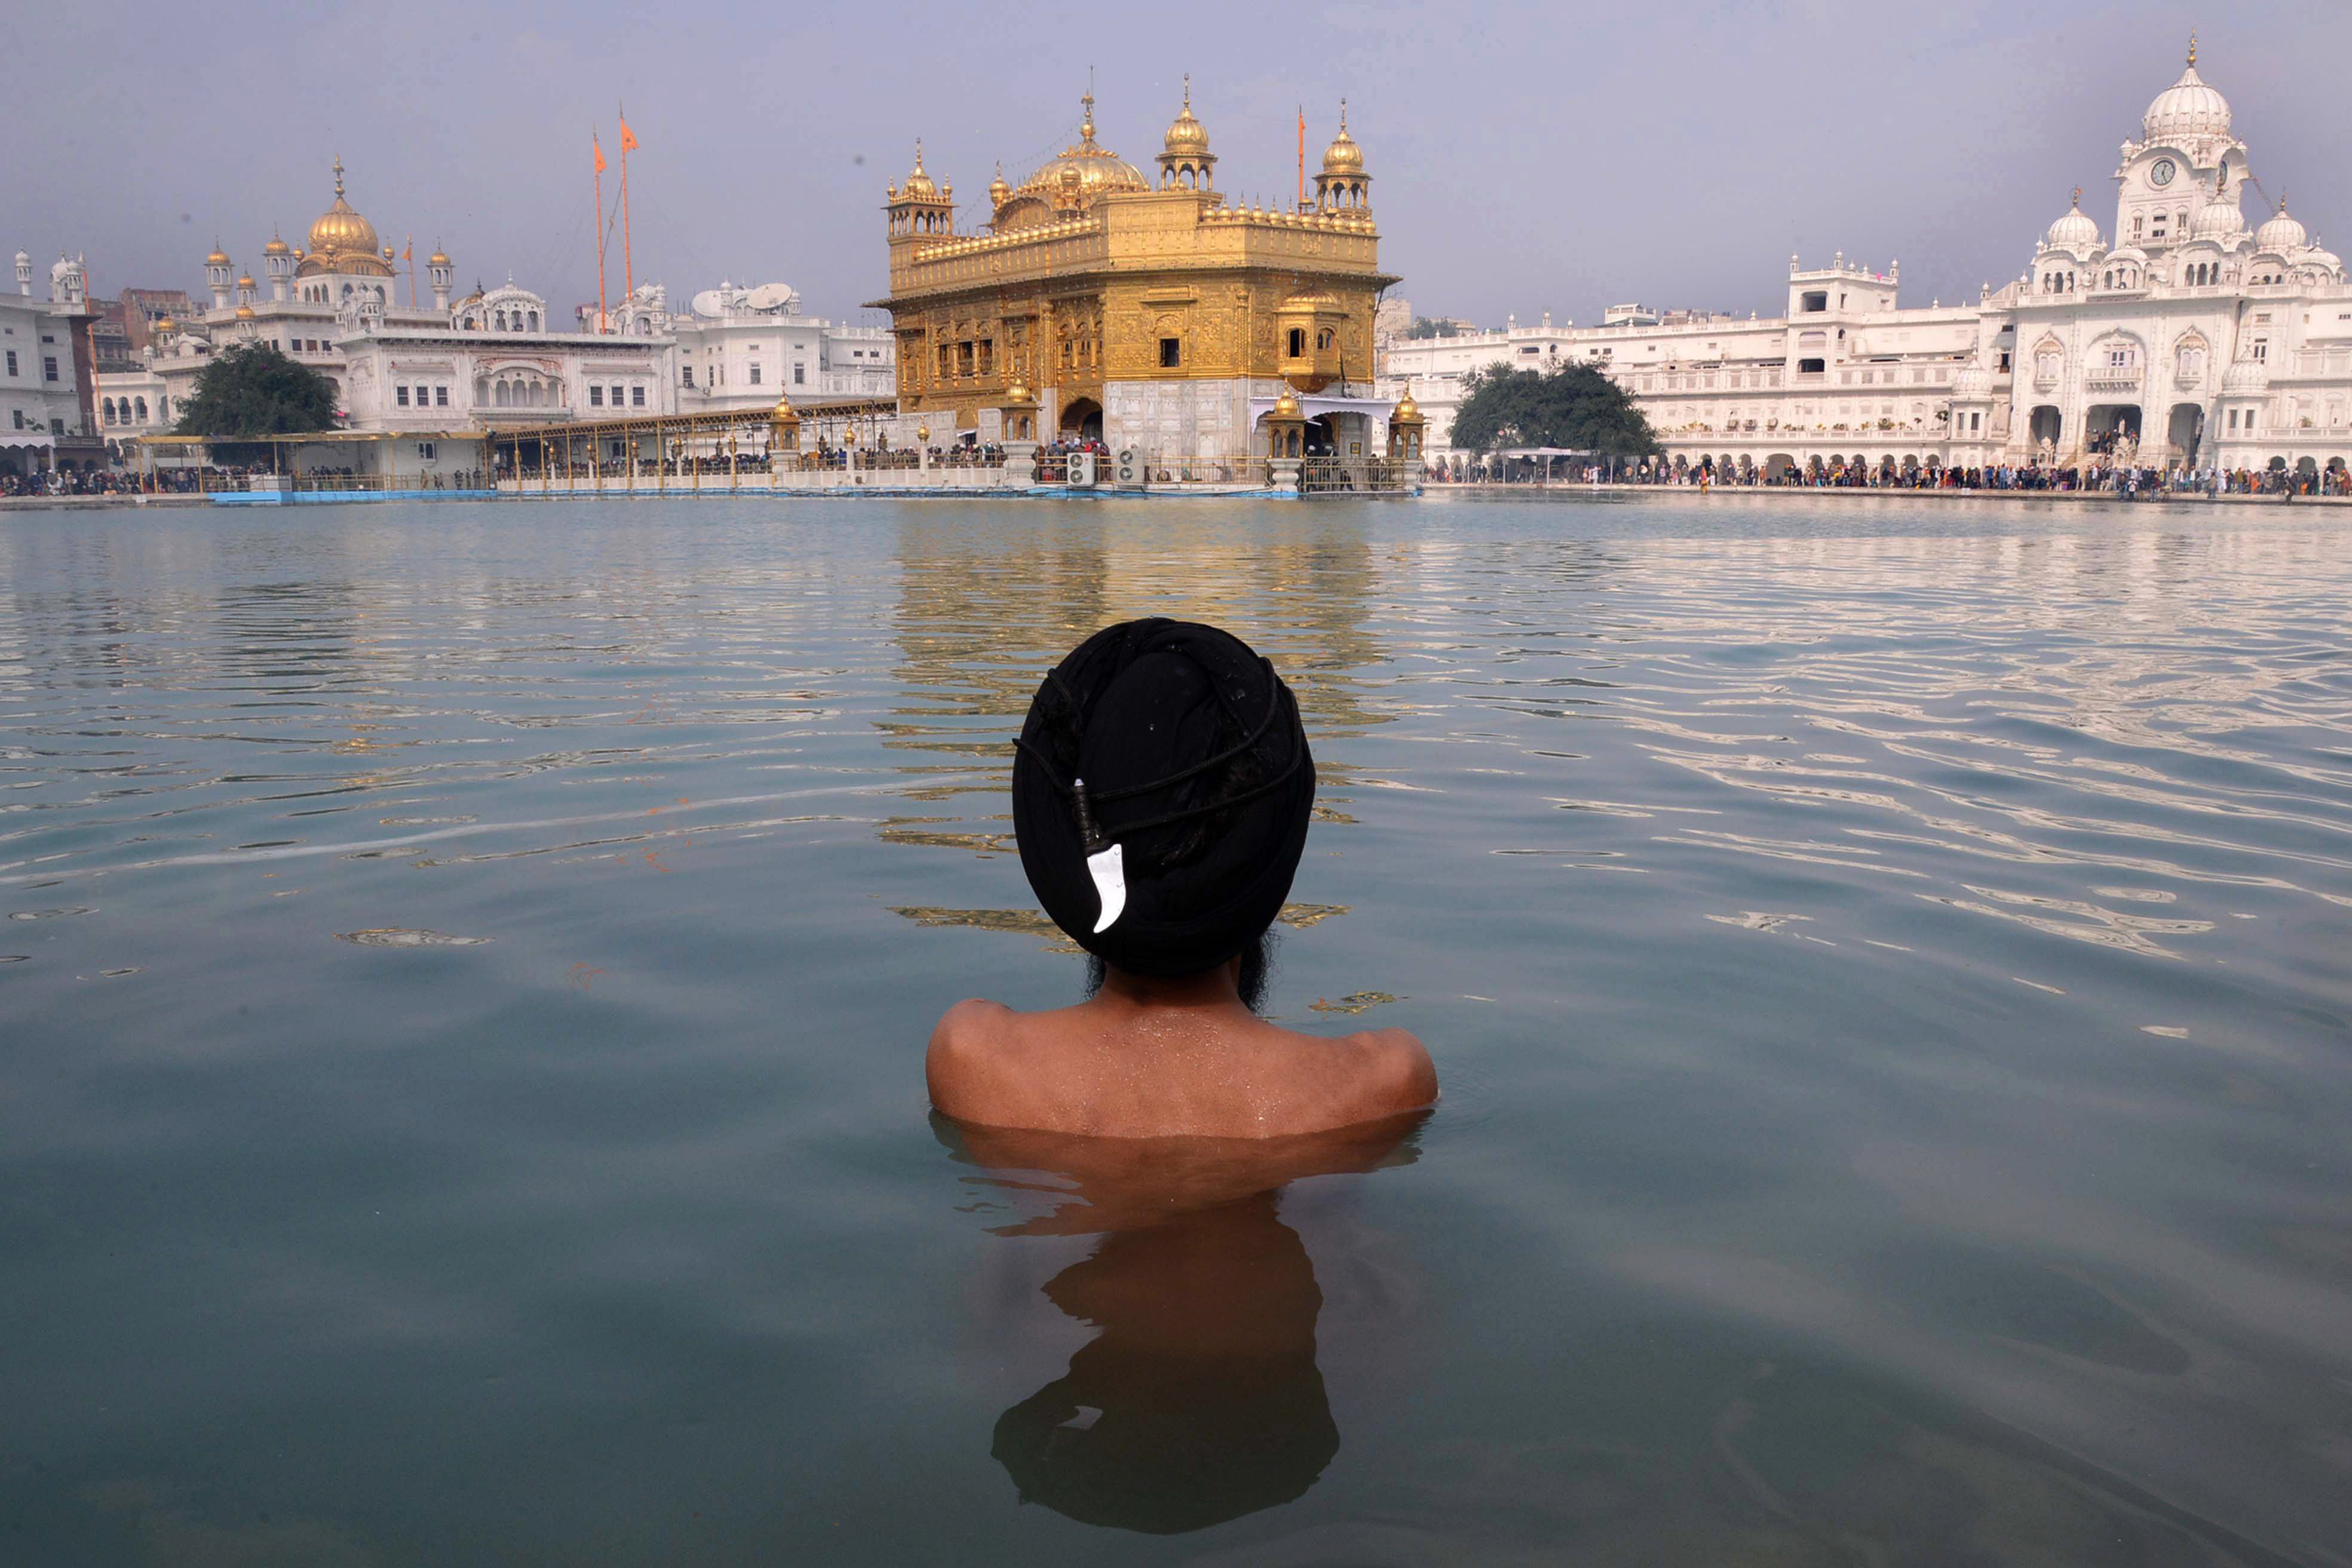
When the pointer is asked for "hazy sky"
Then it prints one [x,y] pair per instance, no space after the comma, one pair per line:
[1525,157]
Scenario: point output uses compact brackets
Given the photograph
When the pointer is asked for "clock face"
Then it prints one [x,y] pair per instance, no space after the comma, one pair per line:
[2163,172]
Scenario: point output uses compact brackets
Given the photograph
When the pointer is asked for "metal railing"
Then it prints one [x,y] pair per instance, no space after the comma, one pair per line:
[1357,475]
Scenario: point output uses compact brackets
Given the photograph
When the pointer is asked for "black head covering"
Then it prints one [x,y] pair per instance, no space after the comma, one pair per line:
[1193,759]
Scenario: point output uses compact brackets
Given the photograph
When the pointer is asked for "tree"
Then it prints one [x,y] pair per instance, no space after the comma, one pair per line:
[1572,406]
[255,391]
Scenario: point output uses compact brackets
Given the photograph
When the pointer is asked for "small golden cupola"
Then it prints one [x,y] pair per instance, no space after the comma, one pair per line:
[999,192]
[921,206]
[1186,163]
[1343,186]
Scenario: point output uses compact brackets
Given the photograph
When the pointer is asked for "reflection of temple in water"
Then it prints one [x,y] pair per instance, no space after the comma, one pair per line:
[983,615]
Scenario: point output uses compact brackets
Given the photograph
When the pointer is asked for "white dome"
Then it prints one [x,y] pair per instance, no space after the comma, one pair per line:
[2219,221]
[2127,253]
[2188,107]
[2246,378]
[2074,231]
[2281,234]
[1973,382]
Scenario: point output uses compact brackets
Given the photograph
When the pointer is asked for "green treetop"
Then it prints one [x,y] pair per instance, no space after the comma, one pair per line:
[1572,406]
[254,392]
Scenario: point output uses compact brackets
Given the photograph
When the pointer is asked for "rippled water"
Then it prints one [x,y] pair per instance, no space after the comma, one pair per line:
[467,968]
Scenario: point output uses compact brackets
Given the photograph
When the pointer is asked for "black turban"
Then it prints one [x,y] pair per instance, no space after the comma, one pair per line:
[1179,745]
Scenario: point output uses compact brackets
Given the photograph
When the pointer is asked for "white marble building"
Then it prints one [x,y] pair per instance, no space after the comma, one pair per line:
[439,374]
[41,392]
[2196,340]
[740,348]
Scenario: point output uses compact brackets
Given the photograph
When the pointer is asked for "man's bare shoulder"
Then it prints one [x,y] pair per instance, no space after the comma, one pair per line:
[991,1064]
[964,1061]
[1376,1071]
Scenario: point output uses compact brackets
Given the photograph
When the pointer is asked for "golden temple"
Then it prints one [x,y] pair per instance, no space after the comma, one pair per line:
[1151,313]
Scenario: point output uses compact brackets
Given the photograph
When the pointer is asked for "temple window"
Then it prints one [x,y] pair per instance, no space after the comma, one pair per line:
[1172,352]
[142,409]
[1298,342]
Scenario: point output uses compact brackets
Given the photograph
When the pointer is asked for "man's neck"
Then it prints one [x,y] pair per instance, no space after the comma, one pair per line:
[1217,988]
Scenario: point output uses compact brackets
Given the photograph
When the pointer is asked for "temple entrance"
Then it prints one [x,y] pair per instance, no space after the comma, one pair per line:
[2046,425]
[2109,425]
[1082,420]
[2185,430]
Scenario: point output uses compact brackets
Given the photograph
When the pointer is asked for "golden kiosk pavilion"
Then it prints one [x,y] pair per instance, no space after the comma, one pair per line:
[1155,316]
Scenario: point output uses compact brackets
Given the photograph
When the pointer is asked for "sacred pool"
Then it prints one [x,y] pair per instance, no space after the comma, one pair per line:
[467,968]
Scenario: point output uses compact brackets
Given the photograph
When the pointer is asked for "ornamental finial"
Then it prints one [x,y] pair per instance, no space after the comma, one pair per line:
[1188,90]
[2078,195]
[1086,124]
[2192,49]
[339,174]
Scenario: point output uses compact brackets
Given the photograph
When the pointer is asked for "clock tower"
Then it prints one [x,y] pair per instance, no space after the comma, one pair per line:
[2184,159]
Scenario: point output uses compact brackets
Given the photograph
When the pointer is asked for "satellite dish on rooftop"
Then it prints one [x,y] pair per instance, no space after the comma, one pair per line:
[770,297]
[711,302]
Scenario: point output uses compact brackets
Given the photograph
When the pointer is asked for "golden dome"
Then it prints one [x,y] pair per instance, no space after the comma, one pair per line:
[1406,408]
[343,241]
[1287,406]
[1097,170]
[165,324]
[998,190]
[1343,156]
[918,185]
[276,247]
[247,282]
[437,258]
[219,257]
[1187,137]
[1018,394]
[245,312]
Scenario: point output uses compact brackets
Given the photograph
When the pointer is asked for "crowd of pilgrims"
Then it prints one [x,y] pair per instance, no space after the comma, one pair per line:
[2030,475]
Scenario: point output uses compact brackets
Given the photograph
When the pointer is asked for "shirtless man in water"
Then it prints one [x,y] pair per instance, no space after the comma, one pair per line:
[1160,795]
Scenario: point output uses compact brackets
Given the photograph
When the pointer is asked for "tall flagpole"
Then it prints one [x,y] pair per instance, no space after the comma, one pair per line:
[1302,156]
[599,149]
[628,265]
[408,255]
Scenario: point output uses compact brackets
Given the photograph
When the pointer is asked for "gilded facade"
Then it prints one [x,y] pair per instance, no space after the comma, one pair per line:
[1144,310]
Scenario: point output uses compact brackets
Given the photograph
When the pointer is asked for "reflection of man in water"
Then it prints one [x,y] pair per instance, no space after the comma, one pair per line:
[1200,1399]
[1160,796]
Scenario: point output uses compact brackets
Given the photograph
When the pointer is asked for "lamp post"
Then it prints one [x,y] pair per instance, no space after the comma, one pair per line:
[923,448]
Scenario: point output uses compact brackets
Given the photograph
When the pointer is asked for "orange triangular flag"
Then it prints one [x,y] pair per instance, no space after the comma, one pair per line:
[599,146]
[628,137]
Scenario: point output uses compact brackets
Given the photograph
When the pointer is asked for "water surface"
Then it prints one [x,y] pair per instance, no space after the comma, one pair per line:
[466,968]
